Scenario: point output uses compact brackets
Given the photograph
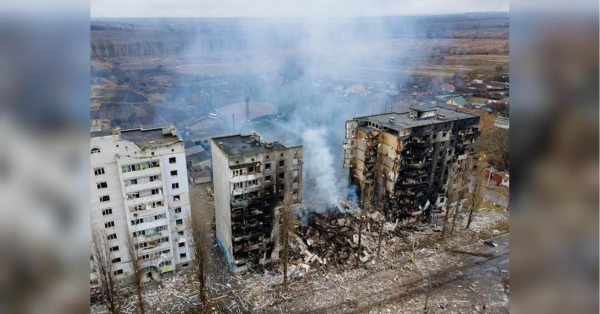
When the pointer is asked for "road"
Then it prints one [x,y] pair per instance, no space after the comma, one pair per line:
[496,198]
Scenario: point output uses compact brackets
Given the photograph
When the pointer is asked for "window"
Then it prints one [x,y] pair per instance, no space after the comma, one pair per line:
[111,236]
[281,187]
[153,178]
[104,198]
[95,151]
[175,185]
[172,160]
[282,163]
[180,232]
[178,210]
[295,161]
[161,216]
[109,224]
[181,244]
[118,272]
[114,248]
[179,222]
[268,178]
[116,260]
[134,195]
[295,185]
[281,176]
[268,166]
[98,171]
[101,185]
[176,198]
[174,173]
[282,155]
[183,255]
[155,191]
[106,211]
[295,174]
[251,169]
[185,265]
[133,182]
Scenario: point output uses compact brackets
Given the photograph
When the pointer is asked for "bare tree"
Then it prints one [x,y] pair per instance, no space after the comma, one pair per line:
[102,263]
[462,179]
[475,198]
[451,197]
[137,269]
[288,223]
[200,246]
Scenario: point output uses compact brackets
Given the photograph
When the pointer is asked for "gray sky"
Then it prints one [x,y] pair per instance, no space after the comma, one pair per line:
[288,8]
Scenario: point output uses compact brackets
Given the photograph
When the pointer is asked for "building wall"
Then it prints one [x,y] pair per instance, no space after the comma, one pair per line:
[404,168]
[221,175]
[276,181]
[116,153]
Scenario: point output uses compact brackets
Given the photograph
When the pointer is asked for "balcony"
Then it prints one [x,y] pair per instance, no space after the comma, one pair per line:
[155,247]
[239,203]
[420,165]
[157,184]
[141,173]
[145,199]
[417,144]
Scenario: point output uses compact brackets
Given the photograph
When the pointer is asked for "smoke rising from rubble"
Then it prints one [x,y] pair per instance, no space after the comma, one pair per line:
[319,164]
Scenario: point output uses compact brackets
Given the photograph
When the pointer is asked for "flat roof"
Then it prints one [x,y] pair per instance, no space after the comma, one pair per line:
[255,109]
[236,145]
[154,136]
[402,120]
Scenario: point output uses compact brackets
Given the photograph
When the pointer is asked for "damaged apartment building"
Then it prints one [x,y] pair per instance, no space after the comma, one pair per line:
[139,186]
[252,180]
[400,161]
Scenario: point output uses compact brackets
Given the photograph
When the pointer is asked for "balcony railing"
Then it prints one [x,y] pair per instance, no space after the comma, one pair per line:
[141,173]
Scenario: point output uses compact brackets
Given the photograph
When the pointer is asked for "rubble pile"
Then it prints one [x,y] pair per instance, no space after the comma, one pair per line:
[330,241]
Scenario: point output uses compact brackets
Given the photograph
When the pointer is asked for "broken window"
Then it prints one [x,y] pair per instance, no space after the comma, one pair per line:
[295,197]
[173,173]
[118,272]
[295,185]
[99,171]
[175,185]
[95,150]
[268,166]
[282,163]
[295,174]
[114,248]
[181,244]
[133,182]
[183,255]
[161,216]
[153,178]
[178,210]
[295,161]
[111,236]
[180,233]
[251,169]
[155,191]
[281,176]
[116,260]
[268,178]
[101,185]
[281,188]
[172,160]
[179,222]
[104,198]
[106,211]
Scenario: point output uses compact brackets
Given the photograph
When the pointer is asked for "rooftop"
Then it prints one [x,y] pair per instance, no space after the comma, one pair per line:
[256,110]
[146,137]
[402,120]
[236,145]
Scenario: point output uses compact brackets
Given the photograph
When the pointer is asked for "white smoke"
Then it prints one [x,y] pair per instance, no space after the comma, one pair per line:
[320,166]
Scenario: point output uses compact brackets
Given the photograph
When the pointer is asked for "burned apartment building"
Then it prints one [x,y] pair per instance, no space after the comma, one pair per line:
[252,180]
[138,184]
[400,161]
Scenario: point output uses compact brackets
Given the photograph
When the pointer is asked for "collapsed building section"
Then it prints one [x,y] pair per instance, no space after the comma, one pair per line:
[400,161]
[252,180]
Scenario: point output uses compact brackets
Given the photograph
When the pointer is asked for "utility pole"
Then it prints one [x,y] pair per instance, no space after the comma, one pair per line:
[490,175]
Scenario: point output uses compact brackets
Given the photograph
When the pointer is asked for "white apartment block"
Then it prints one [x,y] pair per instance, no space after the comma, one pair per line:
[139,185]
